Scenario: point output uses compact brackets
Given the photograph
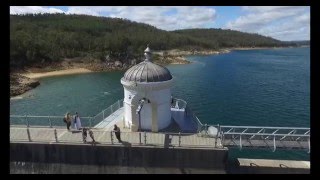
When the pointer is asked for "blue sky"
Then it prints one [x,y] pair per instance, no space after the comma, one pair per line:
[280,22]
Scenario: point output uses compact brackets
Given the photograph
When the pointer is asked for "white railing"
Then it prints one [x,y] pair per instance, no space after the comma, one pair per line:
[178,103]
[165,139]
[57,121]
[181,105]
[44,121]
[107,112]
[259,136]
[191,115]
[58,135]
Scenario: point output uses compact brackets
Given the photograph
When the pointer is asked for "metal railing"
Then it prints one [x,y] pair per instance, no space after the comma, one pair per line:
[107,112]
[44,121]
[58,135]
[231,136]
[57,121]
[182,105]
[258,136]
[178,103]
[191,115]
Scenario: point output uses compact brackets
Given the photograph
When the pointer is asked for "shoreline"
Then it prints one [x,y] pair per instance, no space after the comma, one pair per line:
[183,54]
[33,75]
[176,57]
[26,81]
[254,48]
[20,83]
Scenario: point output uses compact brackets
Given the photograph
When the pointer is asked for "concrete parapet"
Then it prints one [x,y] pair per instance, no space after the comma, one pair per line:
[115,155]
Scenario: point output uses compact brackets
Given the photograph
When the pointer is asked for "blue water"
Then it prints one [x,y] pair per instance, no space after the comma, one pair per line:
[269,87]
[257,87]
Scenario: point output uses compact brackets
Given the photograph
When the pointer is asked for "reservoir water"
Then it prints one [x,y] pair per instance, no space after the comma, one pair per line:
[266,87]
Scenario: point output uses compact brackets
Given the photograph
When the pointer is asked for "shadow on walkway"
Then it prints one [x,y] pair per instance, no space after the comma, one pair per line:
[125,143]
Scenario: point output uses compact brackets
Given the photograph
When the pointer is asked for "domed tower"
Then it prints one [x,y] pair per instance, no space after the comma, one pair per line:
[147,96]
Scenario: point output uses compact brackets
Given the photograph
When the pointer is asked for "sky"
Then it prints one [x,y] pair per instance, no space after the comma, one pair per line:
[284,23]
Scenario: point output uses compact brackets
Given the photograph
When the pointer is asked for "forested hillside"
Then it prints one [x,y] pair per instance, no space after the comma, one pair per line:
[218,38]
[47,38]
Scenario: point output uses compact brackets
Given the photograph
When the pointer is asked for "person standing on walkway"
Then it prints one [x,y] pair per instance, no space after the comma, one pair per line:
[117,133]
[77,122]
[91,135]
[84,135]
[67,119]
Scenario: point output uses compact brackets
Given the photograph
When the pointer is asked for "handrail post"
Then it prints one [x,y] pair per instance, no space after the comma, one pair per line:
[50,122]
[111,136]
[274,143]
[28,132]
[27,121]
[179,139]
[55,134]
[309,144]
[206,129]
[233,130]
[145,138]
[240,142]
[140,138]
[218,129]
[222,138]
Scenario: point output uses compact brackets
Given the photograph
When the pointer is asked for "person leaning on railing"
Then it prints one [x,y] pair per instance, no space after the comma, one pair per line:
[91,135]
[84,135]
[117,131]
[67,119]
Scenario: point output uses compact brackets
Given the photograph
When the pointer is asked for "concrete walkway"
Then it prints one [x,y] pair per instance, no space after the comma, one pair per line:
[103,137]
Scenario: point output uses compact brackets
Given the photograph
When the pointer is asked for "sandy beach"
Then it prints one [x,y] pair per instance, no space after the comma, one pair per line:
[56,73]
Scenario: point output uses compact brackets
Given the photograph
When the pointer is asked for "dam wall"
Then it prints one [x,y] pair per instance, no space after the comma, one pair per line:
[115,155]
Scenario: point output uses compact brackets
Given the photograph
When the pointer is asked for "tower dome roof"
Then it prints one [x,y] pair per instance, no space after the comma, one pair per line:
[147,71]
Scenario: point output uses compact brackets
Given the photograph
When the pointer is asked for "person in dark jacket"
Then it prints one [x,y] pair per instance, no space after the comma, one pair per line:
[67,120]
[84,135]
[91,135]
[117,133]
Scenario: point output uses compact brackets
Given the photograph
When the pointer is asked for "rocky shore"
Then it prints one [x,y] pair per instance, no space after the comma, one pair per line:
[24,80]
[20,84]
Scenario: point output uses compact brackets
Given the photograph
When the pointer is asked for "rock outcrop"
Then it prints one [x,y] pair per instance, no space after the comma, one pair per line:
[20,84]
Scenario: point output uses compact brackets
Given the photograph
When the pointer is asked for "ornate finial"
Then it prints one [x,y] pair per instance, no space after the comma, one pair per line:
[147,53]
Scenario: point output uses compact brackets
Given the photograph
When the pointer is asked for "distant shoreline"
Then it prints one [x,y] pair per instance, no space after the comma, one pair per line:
[29,80]
[178,56]
[253,48]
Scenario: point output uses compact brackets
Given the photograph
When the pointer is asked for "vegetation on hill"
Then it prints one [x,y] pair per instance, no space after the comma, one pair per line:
[48,38]
[297,43]
[219,38]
